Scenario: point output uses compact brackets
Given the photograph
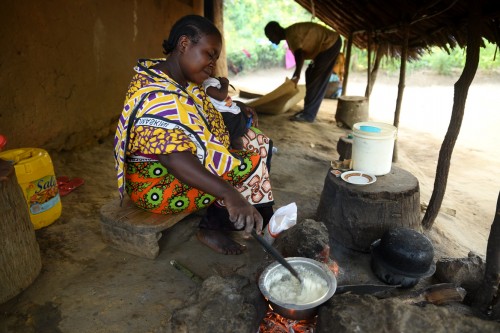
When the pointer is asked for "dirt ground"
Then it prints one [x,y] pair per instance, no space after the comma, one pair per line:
[87,286]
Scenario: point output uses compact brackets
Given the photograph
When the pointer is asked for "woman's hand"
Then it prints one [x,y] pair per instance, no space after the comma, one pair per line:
[186,167]
[242,214]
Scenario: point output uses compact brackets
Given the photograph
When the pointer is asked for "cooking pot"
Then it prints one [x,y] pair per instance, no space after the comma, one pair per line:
[402,257]
[305,310]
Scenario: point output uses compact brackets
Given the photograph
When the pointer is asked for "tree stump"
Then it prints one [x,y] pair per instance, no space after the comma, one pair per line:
[351,110]
[344,148]
[357,215]
[331,89]
[20,261]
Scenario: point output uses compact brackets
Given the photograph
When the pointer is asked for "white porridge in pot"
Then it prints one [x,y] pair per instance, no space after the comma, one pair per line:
[285,288]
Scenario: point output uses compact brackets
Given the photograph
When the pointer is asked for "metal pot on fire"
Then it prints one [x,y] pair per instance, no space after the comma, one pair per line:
[291,298]
[402,257]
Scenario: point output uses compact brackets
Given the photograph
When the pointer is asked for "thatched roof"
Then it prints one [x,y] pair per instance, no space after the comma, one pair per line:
[441,23]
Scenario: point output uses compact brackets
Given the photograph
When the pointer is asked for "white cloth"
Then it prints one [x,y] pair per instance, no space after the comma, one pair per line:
[226,105]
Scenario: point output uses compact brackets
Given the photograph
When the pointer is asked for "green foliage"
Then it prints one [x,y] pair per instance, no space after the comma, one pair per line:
[490,57]
[263,56]
[269,56]
[244,22]
[436,60]
[241,61]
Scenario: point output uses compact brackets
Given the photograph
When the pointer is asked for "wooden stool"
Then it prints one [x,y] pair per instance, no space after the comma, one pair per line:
[20,260]
[133,230]
[357,215]
[351,110]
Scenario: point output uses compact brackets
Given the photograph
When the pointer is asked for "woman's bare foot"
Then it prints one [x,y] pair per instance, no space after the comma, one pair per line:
[219,242]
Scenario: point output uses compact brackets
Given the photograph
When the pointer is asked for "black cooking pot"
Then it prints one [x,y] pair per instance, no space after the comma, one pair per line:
[402,257]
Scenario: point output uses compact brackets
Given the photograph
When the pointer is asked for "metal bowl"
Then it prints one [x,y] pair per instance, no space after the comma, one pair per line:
[297,311]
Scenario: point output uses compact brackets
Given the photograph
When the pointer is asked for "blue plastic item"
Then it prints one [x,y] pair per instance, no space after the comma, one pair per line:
[372,129]
[249,121]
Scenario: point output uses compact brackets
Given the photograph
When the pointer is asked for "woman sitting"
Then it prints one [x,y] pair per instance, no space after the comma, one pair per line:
[172,147]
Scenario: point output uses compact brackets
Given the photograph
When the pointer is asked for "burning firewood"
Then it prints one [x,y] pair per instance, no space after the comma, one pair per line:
[274,323]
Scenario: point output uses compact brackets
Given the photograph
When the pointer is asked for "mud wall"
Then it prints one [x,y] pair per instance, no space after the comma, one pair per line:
[65,65]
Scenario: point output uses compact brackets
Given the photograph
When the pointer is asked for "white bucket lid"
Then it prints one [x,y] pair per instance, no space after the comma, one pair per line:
[374,130]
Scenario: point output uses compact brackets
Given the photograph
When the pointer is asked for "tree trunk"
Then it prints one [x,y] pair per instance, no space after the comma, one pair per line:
[351,110]
[401,87]
[369,66]
[358,215]
[373,76]
[347,64]
[460,96]
[488,290]
[20,260]
[218,19]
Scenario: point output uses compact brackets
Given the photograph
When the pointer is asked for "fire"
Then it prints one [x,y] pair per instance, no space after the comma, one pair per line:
[274,323]
[334,267]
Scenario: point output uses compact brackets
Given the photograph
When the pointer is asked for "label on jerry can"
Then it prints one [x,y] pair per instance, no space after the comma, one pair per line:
[42,194]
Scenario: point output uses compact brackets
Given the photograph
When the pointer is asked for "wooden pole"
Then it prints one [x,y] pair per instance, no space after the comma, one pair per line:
[369,67]
[347,64]
[461,90]
[20,261]
[221,65]
[198,7]
[401,86]
[488,290]
[376,65]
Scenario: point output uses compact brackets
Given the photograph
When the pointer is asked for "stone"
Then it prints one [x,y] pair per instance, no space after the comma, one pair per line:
[232,304]
[308,239]
[133,230]
[465,272]
[349,313]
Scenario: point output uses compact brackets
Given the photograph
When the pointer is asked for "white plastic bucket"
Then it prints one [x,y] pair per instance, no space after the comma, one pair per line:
[372,147]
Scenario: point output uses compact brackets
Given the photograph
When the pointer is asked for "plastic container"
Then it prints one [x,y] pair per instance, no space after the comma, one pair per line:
[372,147]
[35,175]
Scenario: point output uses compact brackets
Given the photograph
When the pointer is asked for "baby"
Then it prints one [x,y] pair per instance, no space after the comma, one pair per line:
[236,121]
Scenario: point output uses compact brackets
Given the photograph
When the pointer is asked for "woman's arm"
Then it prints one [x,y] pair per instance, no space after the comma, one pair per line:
[186,167]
